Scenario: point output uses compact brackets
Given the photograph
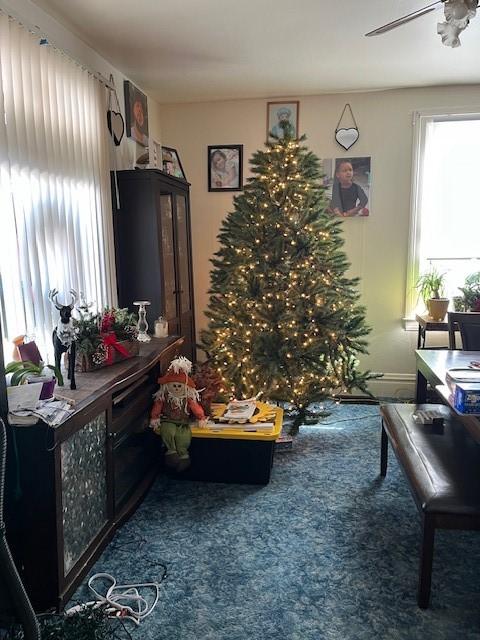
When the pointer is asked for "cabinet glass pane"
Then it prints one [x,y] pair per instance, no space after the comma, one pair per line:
[168,252]
[84,488]
[183,253]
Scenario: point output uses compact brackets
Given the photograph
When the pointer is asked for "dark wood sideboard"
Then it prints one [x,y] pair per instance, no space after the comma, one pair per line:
[79,481]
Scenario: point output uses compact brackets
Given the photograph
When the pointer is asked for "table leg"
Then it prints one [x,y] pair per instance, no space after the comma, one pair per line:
[419,339]
[421,388]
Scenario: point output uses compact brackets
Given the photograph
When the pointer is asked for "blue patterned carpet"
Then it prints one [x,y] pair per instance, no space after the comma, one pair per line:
[327,550]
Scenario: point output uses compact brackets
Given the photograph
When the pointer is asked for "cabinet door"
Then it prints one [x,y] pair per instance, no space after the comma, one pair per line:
[168,256]
[184,292]
[83,471]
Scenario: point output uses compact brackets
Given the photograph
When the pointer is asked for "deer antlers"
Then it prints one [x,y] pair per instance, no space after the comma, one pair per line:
[53,297]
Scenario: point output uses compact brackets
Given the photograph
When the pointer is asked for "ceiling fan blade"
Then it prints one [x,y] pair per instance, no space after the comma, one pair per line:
[405,19]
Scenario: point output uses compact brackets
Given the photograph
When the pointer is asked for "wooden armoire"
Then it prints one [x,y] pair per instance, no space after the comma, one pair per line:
[153,249]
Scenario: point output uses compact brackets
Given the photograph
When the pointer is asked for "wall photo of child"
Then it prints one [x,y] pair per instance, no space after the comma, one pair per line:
[348,186]
[136,113]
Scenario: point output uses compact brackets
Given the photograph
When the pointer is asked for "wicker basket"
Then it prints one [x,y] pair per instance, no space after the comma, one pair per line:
[84,363]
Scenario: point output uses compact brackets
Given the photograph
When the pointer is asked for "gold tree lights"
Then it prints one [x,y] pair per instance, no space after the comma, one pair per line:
[283,317]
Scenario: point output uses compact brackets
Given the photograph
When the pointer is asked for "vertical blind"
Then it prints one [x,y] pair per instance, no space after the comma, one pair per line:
[55,211]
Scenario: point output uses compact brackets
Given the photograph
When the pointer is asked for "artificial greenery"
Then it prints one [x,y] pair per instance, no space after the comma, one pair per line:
[431,285]
[90,330]
[284,318]
[471,292]
[23,370]
[88,623]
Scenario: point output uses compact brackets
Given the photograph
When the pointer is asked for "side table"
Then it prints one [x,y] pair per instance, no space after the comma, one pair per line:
[425,323]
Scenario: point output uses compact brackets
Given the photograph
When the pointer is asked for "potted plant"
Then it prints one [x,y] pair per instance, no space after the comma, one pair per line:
[26,371]
[471,292]
[430,286]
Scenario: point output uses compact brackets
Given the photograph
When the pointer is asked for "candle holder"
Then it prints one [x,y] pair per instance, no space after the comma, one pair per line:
[142,324]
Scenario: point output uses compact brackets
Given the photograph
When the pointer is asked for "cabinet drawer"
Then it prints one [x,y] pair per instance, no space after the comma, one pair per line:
[138,403]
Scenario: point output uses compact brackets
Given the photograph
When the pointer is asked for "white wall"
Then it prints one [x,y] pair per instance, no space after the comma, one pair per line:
[33,16]
[376,246]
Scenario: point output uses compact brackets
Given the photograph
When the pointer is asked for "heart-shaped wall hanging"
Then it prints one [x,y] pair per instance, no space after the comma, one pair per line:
[115,122]
[116,126]
[346,137]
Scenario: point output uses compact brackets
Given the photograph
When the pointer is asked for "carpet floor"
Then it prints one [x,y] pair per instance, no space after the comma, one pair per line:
[326,551]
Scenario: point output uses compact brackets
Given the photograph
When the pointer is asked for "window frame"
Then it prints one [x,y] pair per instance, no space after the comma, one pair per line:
[420,119]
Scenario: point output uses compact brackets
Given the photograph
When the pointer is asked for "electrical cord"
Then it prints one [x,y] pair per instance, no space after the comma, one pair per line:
[123,600]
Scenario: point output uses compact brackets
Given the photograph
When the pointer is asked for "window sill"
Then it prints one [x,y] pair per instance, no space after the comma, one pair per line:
[409,324]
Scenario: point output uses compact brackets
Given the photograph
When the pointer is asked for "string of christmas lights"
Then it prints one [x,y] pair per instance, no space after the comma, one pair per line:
[284,318]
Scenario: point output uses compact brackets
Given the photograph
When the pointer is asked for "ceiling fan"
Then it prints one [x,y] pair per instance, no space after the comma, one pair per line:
[458,14]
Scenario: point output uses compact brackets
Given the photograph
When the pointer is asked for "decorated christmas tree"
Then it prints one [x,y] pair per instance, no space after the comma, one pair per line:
[284,317]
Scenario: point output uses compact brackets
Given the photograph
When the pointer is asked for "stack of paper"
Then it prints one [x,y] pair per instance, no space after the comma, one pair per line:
[240,410]
[52,412]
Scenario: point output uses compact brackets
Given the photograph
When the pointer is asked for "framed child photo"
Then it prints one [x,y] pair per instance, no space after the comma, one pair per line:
[171,163]
[348,185]
[225,167]
[282,120]
[136,113]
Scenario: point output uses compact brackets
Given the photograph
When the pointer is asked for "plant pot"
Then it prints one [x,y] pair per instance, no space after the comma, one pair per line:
[437,308]
[48,386]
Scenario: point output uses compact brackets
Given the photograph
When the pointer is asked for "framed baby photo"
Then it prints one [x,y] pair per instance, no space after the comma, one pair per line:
[225,164]
[282,120]
[136,113]
[171,163]
[348,186]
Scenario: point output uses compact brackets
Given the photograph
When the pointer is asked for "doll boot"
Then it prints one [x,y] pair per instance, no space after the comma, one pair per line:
[172,460]
[183,464]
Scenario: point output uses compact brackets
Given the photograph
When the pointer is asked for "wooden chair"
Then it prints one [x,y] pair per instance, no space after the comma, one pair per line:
[469,326]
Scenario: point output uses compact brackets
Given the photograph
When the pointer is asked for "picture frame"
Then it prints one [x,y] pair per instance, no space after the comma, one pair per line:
[171,163]
[136,113]
[155,149]
[281,115]
[348,186]
[225,167]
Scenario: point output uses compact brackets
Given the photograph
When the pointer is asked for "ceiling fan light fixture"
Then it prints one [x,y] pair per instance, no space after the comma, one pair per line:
[458,14]
[456,10]
[449,34]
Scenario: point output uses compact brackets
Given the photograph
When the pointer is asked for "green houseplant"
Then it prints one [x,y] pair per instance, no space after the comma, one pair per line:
[26,371]
[471,292]
[430,286]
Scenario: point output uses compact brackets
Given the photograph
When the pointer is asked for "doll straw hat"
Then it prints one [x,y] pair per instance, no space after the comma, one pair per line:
[178,372]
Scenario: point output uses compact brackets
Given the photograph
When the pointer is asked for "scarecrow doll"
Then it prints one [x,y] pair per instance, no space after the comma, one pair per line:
[175,402]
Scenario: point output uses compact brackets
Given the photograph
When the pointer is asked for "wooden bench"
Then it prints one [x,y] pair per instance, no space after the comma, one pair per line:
[442,466]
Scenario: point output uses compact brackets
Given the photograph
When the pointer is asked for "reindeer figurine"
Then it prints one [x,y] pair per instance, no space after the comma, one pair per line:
[64,333]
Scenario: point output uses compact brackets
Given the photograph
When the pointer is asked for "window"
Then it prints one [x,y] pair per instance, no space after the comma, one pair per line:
[54,185]
[445,224]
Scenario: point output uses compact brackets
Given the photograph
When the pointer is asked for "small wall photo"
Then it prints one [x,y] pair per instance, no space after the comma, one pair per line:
[225,167]
[171,163]
[282,118]
[348,186]
[136,113]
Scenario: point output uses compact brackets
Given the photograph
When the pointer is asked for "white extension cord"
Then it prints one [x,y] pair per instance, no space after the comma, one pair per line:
[122,600]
